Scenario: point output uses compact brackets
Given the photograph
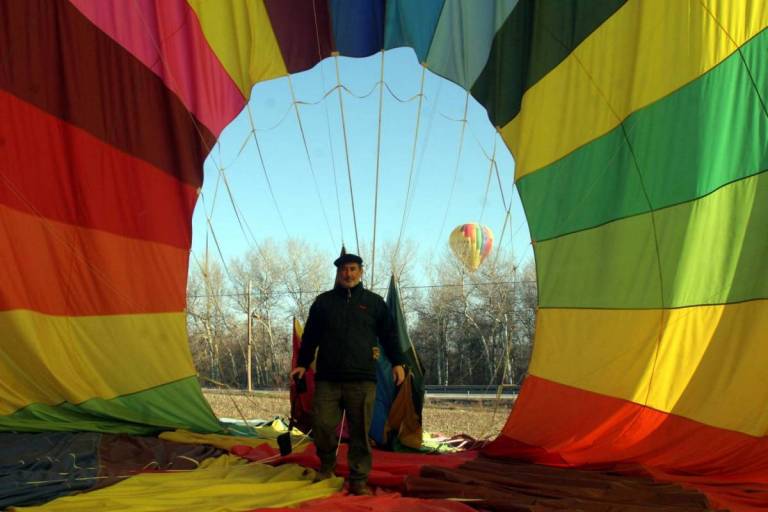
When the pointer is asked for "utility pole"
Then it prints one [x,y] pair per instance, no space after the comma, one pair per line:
[250,340]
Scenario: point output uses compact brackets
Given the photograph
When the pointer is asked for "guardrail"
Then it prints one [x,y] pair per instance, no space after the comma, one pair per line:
[506,389]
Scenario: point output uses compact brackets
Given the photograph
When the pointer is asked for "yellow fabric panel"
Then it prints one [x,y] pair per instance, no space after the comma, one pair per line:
[711,363]
[51,359]
[645,51]
[222,485]
[264,435]
[240,34]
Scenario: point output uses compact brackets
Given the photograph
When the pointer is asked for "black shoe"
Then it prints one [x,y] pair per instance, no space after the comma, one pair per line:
[323,475]
[359,488]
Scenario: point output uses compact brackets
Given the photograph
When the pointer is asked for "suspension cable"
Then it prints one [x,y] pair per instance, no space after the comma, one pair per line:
[266,174]
[488,181]
[413,159]
[378,166]
[455,171]
[309,158]
[327,120]
[346,149]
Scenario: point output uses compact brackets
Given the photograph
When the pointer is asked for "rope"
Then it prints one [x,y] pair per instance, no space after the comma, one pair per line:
[398,98]
[309,159]
[471,132]
[413,160]
[328,122]
[488,181]
[354,95]
[455,171]
[242,222]
[346,151]
[501,187]
[427,139]
[378,167]
[266,174]
[215,239]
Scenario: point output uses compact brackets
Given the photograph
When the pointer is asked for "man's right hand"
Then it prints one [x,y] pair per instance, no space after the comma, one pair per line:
[298,372]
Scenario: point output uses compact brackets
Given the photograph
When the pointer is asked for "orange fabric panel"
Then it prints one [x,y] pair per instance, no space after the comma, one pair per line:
[95,185]
[59,269]
[706,363]
[552,421]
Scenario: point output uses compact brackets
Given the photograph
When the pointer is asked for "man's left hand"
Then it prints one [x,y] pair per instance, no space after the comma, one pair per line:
[398,374]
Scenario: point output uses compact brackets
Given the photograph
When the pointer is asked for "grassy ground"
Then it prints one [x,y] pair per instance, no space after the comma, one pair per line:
[479,420]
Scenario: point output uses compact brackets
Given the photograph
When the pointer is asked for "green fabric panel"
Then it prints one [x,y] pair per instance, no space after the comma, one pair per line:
[406,346]
[534,39]
[708,134]
[463,38]
[713,250]
[179,404]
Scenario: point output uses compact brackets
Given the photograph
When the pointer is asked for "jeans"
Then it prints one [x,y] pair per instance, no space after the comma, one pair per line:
[357,399]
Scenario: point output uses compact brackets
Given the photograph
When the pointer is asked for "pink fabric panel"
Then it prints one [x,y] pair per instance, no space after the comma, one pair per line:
[166,37]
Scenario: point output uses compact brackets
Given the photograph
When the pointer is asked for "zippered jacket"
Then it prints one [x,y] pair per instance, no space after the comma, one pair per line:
[344,325]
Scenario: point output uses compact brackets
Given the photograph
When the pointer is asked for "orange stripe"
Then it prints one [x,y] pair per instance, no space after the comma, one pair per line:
[588,428]
[58,269]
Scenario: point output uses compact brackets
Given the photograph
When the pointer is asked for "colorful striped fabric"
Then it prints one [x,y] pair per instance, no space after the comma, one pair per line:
[640,132]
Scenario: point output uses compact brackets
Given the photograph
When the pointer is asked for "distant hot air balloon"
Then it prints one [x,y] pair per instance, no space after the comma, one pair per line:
[471,243]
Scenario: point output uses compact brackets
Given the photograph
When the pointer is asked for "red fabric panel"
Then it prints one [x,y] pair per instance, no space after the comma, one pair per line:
[503,486]
[59,269]
[166,36]
[121,456]
[389,469]
[381,502]
[94,185]
[300,27]
[56,59]
[301,403]
[587,429]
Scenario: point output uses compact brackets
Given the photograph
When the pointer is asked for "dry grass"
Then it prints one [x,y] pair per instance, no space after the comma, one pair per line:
[479,420]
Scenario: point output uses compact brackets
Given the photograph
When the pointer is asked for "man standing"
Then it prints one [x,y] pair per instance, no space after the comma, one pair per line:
[343,325]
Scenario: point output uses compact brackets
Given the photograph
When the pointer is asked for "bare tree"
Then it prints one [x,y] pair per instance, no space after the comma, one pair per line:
[262,268]
[467,327]
[209,322]
[306,272]
[475,327]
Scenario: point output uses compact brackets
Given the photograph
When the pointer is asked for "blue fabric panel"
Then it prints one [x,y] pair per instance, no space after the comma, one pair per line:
[412,24]
[385,395]
[358,26]
[36,468]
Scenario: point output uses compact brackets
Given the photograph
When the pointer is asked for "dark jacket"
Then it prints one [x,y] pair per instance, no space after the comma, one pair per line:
[345,324]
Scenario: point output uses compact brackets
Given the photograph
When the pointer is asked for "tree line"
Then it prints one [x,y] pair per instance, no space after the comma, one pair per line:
[467,328]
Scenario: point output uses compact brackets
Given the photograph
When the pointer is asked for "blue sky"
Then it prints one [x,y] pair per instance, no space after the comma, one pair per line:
[296,209]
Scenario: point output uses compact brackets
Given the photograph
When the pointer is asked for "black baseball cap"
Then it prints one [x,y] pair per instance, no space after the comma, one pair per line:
[348,258]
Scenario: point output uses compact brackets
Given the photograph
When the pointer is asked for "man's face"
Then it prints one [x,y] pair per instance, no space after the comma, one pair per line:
[349,275]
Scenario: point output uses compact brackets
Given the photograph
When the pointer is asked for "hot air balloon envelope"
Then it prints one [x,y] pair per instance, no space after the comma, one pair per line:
[471,243]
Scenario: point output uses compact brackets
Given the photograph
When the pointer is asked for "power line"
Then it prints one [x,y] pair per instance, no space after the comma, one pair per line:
[518,281]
